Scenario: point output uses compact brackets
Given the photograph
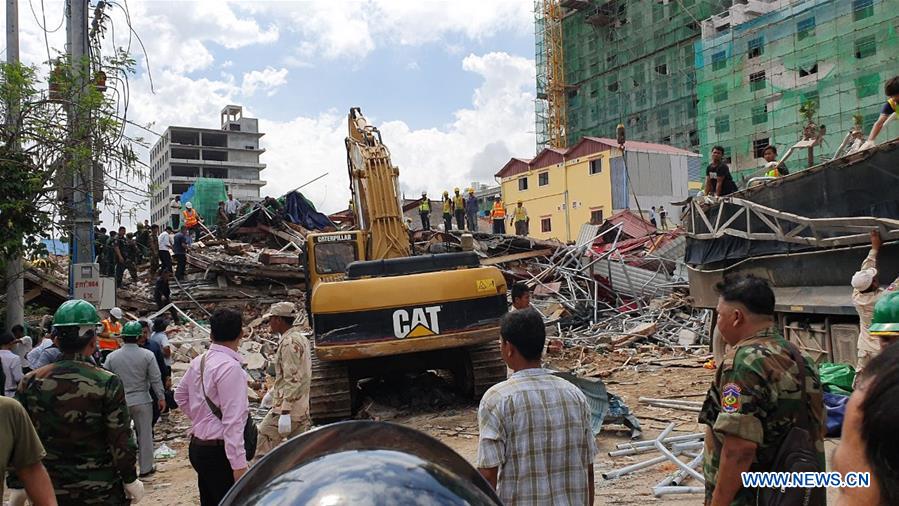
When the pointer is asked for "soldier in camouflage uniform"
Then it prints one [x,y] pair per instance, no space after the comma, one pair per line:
[754,399]
[80,414]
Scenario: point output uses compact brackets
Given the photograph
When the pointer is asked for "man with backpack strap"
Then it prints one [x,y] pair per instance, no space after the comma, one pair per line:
[763,413]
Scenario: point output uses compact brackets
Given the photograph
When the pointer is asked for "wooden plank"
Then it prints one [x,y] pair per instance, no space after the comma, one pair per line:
[517,256]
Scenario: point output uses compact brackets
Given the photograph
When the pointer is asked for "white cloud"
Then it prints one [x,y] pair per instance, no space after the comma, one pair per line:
[478,141]
[268,80]
[352,29]
[227,64]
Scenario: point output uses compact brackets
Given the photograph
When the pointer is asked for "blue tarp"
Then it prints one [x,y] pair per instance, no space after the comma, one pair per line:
[299,210]
[605,407]
[835,405]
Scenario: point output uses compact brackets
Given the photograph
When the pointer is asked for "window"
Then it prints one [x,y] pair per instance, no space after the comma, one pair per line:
[694,138]
[756,47]
[805,28]
[865,47]
[546,224]
[596,216]
[523,183]
[719,60]
[662,69]
[808,69]
[760,114]
[596,166]
[757,81]
[862,9]
[333,257]
[543,179]
[613,87]
[868,85]
[758,147]
[722,124]
[720,92]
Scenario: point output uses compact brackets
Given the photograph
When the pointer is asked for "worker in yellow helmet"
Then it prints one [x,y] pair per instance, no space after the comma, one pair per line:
[447,212]
[424,211]
[459,209]
[520,219]
[498,213]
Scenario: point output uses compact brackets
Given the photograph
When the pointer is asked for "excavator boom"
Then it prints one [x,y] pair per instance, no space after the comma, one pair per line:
[375,185]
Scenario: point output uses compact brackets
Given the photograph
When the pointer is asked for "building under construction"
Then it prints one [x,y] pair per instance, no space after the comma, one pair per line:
[625,62]
[756,70]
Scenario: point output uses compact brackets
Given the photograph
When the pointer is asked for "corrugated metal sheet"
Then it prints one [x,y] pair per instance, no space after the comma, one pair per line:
[673,250]
[619,183]
[694,168]
[513,167]
[644,147]
[631,224]
[633,281]
[587,234]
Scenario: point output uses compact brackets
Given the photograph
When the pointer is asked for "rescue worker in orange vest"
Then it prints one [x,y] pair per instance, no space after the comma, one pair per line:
[459,208]
[499,216]
[447,212]
[520,219]
[109,340]
[192,220]
[424,211]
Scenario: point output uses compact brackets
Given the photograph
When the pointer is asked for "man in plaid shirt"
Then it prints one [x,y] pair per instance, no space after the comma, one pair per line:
[536,443]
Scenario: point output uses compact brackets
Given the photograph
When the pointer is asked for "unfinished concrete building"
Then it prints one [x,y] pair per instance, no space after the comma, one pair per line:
[625,62]
[184,154]
[756,69]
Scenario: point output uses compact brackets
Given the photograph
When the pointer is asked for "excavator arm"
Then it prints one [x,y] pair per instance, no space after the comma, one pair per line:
[374,182]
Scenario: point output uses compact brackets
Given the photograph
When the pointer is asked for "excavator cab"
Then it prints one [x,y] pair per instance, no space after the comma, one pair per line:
[328,255]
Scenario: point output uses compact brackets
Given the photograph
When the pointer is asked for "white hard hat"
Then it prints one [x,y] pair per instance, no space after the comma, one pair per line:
[189,205]
[117,312]
[862,280]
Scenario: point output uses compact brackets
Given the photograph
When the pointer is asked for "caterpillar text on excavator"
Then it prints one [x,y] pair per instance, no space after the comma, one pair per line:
[377,309]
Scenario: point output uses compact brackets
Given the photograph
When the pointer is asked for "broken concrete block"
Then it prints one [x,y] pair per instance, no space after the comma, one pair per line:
[554,346]
[643,329]
[254,361]
[686,337]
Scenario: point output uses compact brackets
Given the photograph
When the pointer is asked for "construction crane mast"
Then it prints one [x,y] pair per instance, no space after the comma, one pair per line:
[552,113]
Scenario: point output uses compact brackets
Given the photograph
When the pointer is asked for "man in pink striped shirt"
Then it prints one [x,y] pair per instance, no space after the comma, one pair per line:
[217,450]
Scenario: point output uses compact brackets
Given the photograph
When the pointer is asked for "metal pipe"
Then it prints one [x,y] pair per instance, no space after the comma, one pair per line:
[661,491]
[672,439]
[617,473]
[673,457]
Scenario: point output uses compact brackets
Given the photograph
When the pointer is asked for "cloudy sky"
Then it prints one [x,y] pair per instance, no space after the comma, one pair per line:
[449,83]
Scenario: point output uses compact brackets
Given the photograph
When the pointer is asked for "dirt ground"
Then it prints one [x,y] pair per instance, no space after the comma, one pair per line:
[430,406]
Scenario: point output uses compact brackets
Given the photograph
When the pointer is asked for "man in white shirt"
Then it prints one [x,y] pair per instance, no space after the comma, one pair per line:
[22,346]
[232,205]
[175,211]
[11,364]
[165,249]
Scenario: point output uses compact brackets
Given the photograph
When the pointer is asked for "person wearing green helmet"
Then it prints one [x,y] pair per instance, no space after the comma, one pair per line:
[92,461]
[137,369]
[885,321]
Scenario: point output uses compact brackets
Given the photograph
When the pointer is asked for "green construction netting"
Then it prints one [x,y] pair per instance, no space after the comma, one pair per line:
[631,62]
[753,78]
[205,195]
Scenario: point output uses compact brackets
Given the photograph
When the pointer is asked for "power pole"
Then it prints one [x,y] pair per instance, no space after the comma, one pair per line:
[83,212]
[15,281]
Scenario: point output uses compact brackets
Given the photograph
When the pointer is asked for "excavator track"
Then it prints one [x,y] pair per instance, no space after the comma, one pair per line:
[331,392]
[486,367]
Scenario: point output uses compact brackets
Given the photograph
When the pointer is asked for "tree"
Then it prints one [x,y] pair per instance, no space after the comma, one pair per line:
[78,124]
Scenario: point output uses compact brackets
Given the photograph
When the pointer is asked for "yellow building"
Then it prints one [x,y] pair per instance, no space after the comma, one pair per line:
[562,189]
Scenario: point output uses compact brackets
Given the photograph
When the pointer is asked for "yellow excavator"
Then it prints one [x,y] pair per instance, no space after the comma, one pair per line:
[376,309]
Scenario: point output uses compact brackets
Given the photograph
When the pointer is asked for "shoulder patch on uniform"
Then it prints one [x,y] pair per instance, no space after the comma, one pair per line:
[730,398]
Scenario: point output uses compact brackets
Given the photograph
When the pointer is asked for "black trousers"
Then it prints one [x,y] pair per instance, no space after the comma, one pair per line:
[460,219]
[425,221]
[447,222]
[181,260]
[214,475]
[165,260]
[176,221]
